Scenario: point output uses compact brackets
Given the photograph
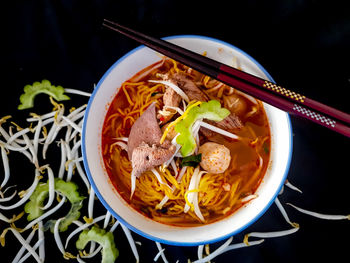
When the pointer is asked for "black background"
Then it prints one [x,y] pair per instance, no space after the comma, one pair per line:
[304,45]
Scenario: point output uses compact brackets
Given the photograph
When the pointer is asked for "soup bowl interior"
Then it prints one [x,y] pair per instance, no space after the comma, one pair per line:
[107,88]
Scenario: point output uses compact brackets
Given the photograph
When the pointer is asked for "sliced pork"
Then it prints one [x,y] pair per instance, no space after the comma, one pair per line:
[146,157]
[145,129]
[189,87]
[231,122]
[171,98]
[144,149]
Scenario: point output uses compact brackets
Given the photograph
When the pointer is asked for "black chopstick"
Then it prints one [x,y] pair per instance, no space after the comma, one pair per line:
[261,89]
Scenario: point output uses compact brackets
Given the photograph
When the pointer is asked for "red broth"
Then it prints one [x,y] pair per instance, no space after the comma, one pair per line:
[219,195]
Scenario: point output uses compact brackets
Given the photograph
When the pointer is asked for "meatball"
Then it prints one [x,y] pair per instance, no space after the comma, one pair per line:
[235,104]
[216,158]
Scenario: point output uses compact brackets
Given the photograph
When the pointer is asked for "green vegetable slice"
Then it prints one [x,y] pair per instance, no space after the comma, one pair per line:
[192,160]
[105,239]
[30,91]
[266,148]
[68,189]
[210,110]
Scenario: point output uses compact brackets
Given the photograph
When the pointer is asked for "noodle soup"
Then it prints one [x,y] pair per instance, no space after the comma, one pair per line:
[202,178]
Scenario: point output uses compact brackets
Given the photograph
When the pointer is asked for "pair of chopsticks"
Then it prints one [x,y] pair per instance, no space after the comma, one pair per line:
[259,88]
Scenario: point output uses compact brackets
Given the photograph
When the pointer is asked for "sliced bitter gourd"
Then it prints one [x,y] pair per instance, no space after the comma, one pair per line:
[30,91]
[68,189]
[105,239]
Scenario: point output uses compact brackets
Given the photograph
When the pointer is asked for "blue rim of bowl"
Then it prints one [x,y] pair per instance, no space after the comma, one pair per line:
[138,231]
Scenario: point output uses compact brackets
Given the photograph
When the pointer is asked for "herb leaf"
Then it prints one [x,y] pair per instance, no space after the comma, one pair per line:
[266,148]
[192,160]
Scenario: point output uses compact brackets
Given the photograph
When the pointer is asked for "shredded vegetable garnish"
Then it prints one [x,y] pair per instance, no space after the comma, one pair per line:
[105,239]
[30,91]
[210,110]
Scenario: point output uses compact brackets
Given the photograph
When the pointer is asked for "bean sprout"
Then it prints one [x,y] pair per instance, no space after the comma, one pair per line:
[131,242]
[161,253]
[27,194]
[25,244]
[22,250]
[284,213]
[46,214]
[217,252]
[29,141]
[270,234]
[321,216]
[5,162]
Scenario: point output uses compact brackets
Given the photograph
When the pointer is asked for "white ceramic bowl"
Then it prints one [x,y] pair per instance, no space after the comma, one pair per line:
[125,68]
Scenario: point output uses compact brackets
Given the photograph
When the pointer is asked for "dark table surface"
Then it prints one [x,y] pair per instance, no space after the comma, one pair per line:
[304,45]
